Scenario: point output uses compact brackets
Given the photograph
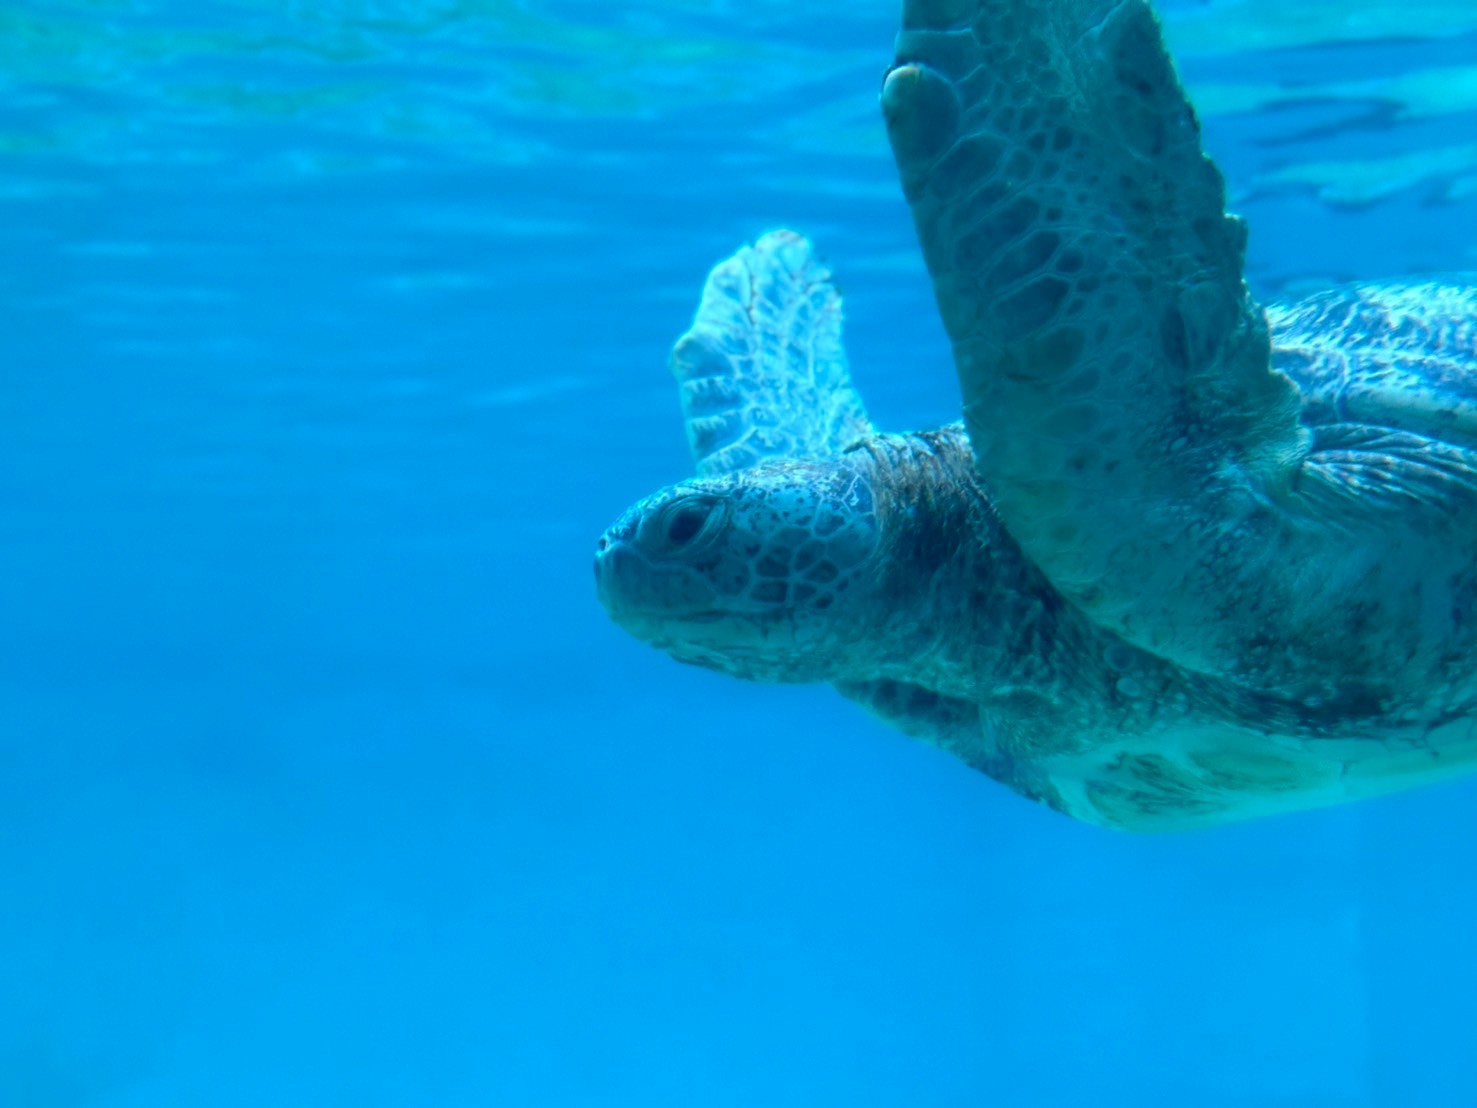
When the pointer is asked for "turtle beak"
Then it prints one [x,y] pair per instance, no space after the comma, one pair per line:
[611,551]
[637,588]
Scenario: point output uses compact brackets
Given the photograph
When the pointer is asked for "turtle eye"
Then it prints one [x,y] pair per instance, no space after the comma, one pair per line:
[684,525]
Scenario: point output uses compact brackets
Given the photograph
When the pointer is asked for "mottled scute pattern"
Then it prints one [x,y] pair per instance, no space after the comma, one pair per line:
[1388,388]
[1397,356]
[762,372]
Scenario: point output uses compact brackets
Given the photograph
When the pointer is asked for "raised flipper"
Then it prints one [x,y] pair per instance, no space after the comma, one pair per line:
[1116,375]
[762,371]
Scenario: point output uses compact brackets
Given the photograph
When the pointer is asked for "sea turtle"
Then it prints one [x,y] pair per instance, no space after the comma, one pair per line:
[1185,560]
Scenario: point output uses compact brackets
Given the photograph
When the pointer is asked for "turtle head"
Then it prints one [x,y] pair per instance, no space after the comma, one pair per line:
[755,573]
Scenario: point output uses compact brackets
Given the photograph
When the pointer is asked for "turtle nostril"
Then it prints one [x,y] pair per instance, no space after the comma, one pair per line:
[601,557]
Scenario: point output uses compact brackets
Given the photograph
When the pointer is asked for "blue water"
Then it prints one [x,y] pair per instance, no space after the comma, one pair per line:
[333,335]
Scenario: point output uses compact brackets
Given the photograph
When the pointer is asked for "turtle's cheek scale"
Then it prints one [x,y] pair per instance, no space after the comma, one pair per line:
[636,590]
[677,609]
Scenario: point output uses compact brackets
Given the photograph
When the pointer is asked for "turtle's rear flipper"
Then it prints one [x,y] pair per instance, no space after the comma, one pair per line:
[762,371]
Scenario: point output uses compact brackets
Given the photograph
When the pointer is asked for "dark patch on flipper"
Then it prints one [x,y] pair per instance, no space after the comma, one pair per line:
[953,725]
[1139,791]
[1250,772]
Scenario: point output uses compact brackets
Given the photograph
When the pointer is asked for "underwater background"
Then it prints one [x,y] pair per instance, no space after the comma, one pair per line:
[333,333]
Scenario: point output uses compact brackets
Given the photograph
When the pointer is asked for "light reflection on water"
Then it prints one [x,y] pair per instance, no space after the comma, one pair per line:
[124,82]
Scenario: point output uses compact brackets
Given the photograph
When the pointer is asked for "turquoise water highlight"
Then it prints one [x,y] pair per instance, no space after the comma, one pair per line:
[335,335]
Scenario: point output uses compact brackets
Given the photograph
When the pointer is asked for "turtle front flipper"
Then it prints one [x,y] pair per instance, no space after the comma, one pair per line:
[1115,371]
[762,371]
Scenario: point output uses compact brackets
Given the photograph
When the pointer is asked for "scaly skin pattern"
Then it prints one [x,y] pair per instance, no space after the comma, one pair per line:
[887,572]
[1168,572]
[1137,437]
[764,573]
